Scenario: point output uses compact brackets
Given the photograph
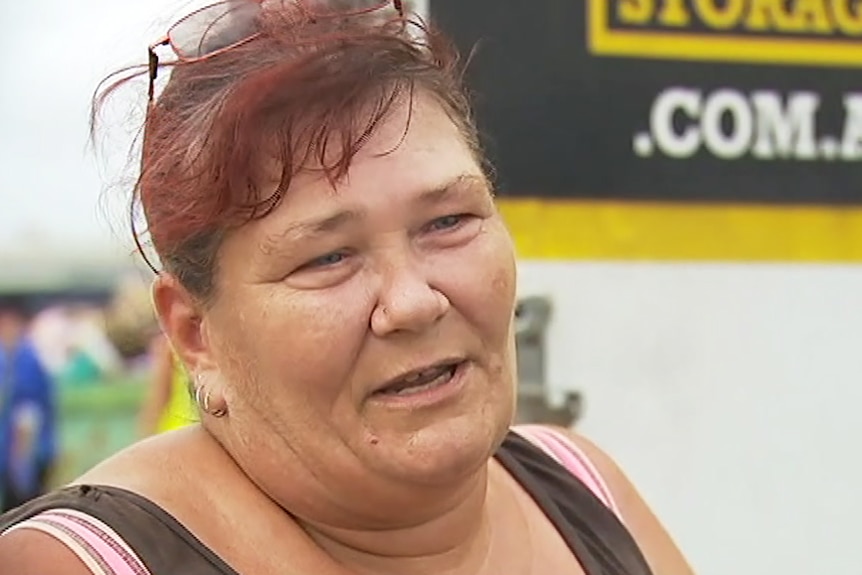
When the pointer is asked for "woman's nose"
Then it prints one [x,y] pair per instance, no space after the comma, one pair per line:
[407,302]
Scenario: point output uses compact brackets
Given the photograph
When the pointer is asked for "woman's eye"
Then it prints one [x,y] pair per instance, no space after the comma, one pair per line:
[447,222]
[327,260]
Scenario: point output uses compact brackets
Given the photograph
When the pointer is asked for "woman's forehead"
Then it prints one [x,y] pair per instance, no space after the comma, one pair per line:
[413,152]
[340,213]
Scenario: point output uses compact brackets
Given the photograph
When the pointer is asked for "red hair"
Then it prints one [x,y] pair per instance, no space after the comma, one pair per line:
[299,94]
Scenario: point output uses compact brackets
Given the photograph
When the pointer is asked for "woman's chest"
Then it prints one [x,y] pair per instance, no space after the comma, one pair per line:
[531,546]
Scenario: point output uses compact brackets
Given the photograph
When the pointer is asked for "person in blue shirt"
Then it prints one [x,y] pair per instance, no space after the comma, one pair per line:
[27,411]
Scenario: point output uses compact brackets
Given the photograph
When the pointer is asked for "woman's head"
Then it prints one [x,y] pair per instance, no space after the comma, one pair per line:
[298,95]
[336,269]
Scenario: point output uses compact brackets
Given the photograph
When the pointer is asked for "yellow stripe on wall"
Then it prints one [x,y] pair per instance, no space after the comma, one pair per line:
[595,230]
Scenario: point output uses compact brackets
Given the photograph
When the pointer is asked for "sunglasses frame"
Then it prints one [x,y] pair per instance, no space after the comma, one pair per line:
[167,39]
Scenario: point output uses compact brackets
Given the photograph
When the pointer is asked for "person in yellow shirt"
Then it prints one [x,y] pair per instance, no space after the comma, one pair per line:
[168,404]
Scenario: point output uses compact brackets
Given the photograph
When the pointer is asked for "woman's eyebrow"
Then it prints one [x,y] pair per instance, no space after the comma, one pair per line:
[310,228]
[460,185]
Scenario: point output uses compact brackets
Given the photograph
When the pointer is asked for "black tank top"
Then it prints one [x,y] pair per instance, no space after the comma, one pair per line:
[592,532]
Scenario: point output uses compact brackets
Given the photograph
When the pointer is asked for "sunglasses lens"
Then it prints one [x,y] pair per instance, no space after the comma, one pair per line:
[323,8]
[228,23]
[214,28]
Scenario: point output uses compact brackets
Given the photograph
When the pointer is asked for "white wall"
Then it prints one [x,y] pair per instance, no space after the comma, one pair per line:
[731,394]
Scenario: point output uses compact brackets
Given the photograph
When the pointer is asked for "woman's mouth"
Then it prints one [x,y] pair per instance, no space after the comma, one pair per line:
[421,381]
[426,387]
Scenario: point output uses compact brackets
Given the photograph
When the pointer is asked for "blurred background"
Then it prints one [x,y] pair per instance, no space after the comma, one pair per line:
[683,180]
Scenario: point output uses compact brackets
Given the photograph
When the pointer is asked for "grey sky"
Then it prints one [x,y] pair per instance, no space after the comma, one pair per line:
[52,54]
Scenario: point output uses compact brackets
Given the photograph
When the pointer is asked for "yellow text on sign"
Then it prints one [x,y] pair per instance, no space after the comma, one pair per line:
[803,32]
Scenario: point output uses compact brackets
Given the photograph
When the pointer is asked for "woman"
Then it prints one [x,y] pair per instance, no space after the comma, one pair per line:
[341,289]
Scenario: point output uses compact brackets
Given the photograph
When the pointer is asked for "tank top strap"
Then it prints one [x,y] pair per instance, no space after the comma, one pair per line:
[98,546]
[116,532]
[565,452]
[574,503]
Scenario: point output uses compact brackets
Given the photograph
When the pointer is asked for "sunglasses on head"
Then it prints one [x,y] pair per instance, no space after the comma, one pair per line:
[219,27]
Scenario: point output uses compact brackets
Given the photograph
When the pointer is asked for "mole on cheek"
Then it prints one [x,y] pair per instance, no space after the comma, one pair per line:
[501,280]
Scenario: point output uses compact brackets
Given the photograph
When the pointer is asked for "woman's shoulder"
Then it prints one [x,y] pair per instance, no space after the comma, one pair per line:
[566,445]
[130,478]
[115,512]
[152,500]
[91,528]
[651,536]
[140,467]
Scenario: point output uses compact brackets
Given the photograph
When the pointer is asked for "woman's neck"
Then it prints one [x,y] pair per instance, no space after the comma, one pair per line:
[456,540]
[393,528]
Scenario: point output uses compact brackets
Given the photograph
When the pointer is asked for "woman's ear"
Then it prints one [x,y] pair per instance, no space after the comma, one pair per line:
[181,318]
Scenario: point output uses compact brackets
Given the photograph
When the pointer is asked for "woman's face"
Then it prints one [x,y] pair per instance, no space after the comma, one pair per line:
[367,330]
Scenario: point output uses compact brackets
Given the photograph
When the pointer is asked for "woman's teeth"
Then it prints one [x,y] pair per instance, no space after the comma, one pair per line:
[422,381]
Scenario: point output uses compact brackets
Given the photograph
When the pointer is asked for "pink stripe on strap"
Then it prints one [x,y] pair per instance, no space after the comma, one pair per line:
[70,540]
[96,544]
[572,457]
[533,434]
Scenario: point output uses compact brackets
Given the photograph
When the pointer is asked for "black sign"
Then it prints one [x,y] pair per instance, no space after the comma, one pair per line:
[753,101]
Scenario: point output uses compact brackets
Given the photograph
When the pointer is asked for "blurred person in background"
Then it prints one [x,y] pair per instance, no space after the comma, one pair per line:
[71,339]
[168,403]
[341,287]
[51,333]
[90,348]
[27,410]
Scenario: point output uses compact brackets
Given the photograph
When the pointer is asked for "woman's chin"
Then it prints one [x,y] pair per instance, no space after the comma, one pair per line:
[438,454]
